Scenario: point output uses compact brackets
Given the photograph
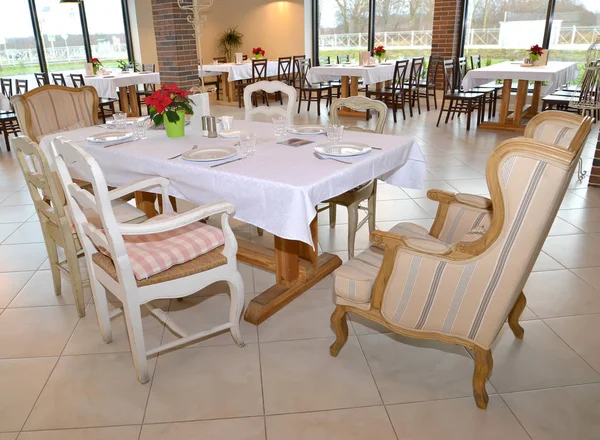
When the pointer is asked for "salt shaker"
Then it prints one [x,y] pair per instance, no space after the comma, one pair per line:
[211,126]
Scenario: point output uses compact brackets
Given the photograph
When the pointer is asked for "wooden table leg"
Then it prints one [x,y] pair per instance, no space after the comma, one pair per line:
[505,103]
[352,90]
[123,100]
[133,102]
[345,86]
[297,267]
[504,123]
[354,86]
[521,98]
[146,202]
[535,100]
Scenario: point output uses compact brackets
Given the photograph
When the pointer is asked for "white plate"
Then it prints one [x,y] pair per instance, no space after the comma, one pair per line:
[344,149]
[230,134]
[109,136]
[307,130]
[209,154]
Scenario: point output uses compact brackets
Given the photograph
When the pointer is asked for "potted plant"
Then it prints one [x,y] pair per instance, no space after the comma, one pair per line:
[258,53]
[96,64]
[229,41]
[169,105]
[535,52]
[379,52]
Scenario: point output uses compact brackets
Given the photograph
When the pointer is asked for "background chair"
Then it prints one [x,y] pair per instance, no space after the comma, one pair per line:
[367,192]
[208,81]
[311,92]
[212,253]
[277,87]
[106,106]
[396,93]
[8,119]
[462,293]
[42,79]
[59,79]
[428,85]
[259,73]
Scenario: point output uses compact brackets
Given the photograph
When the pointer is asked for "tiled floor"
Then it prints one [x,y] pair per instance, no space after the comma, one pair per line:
[59,381]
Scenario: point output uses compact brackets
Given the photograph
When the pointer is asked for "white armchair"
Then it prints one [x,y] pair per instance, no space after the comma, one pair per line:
[111,255]
[276,87]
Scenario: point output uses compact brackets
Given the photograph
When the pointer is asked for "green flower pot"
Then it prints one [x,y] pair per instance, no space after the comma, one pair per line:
[96,68]
[176,129]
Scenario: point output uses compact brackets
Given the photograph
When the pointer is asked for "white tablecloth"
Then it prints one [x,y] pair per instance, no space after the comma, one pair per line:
[277,189]
[237,72]
[370,75]
[4,103]
[556,73]
[107,86]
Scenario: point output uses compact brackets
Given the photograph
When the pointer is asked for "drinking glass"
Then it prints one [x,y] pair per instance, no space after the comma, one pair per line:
[247,144]
[280,126]
[139,128]
[335,133]
[120,120]
[227,122]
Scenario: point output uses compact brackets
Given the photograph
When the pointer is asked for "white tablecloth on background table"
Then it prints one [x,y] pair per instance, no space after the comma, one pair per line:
[370,75]
[277,189]
[556,73]
[237,72]
[4,103]
[107,86]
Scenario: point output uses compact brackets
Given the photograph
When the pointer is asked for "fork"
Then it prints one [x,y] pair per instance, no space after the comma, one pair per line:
[179,155]
[318,156]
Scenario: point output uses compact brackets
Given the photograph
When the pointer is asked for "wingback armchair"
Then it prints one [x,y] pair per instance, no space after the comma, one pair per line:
[461,281]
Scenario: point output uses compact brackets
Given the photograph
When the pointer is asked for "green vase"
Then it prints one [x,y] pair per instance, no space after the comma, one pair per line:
[96,68]
[176,129]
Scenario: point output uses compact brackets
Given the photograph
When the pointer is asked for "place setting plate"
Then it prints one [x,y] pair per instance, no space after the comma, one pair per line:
[307,130]
[209,154]
[230,134]
[343,149]
[109,137]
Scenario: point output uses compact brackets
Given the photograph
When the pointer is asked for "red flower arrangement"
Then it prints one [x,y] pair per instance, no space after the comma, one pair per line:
[379,51]
[95,62]
[535,52]
[258,52]
[168,100]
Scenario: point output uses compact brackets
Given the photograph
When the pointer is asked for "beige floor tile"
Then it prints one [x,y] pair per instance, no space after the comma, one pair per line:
[333,240]
[36,331]
[27,233]
[573,200]
[545,262]
[428,205]
[22,257]
[409,370]
[21,381]
[559,413]
[456,419]
[8,435]
[460,172]
[304,318]
[86,338]
[95,390]
[39,291]
[561,227]
[469,186]
[109,433]
[540,360]
[390,192]
[386,226]
[587,219]
[581,333]
[590,275]
[6,229]
[302,376]
[15,214]
[10,284]
[574,251]
[560,293]
[262,280]
[362,326]
[251,428]
[18,198]
[400,210]
[431,184]
[206,383]
[196,314]
[346,424]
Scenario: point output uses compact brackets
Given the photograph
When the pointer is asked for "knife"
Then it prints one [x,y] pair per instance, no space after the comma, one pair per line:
[225,163]
[120,143]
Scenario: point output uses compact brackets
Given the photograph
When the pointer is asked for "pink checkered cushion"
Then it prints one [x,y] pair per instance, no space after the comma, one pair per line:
[154,253]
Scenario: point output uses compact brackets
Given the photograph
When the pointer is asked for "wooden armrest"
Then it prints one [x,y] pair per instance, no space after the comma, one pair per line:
[441,196]
[139,185]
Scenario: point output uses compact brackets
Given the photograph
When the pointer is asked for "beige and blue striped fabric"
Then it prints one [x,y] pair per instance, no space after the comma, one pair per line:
[555,134]
[354,280]
[462,220]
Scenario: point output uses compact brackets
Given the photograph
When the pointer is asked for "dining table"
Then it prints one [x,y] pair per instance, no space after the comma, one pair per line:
[229,73]
[546,79]
[278,189]
[126,83]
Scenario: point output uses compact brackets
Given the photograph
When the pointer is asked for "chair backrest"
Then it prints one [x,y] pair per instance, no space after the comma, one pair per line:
[220,59]
[244,57]
[270,87]
[295,68]
[475,62]
[6,86]
[42,79]
[343,59]
[461,70]
[590,88]
[303,66]
[324,61]
[259,70]
[21,86]
[50,109]
[59,79]
[400,74]
[416,68]
[449,77]
[77,79]
[360,103]
[284,69]
[562,129]
[435,63]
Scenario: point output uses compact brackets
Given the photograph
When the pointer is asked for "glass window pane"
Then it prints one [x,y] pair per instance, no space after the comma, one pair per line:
[18,52]
[343,28]
[500,30]
[107,31]
[404,27]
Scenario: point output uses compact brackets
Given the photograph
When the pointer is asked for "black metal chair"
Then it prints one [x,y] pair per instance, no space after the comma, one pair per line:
[311,92]
[396,93]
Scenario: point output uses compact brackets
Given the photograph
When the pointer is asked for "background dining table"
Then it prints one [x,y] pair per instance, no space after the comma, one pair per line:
[277,189]
[127,84]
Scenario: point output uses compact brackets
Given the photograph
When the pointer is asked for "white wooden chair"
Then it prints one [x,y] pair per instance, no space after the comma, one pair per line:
[352,199]
[56,223]
[270,87]
[113,268]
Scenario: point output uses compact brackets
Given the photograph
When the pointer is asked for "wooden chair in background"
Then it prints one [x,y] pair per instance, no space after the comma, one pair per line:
[311,92]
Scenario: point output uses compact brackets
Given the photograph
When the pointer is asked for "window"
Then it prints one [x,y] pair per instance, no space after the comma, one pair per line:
[343,28]
[107,31]
[18,51]
[404,27]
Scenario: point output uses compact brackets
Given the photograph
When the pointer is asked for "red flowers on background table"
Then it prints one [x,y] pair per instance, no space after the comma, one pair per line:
[379,51]
[96,64]
[535,52]
[168,100]
[258,52]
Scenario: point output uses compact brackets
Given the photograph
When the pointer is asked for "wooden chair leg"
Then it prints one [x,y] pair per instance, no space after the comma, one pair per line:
[236,291]
[133,320]
[372,208]
[483,367]
[332,215]
[75,275]
[54,260]
[441,112]
[352,228]
[515,314]
[340,326]
[101,307]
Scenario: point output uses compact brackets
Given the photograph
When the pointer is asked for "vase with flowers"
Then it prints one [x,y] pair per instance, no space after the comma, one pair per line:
[258,53]
[96,64]
[535,52]
[168,106]
[379,52]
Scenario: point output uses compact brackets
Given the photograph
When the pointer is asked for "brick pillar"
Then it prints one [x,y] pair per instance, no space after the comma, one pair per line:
[447,22]
[595,173]
[175,44]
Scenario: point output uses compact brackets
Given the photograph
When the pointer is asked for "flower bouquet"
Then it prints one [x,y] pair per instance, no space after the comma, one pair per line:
[169,105]
[535,52]
[96,64]
[258,53]
[379,52]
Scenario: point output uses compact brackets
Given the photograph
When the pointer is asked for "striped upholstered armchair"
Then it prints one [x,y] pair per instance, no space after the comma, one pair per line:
[461,281]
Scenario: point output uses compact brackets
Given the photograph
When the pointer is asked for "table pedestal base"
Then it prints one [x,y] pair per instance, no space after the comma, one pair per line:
[128,102]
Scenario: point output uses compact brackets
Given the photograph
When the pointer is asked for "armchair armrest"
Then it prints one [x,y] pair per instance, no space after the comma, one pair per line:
[140,185]
[471,200]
